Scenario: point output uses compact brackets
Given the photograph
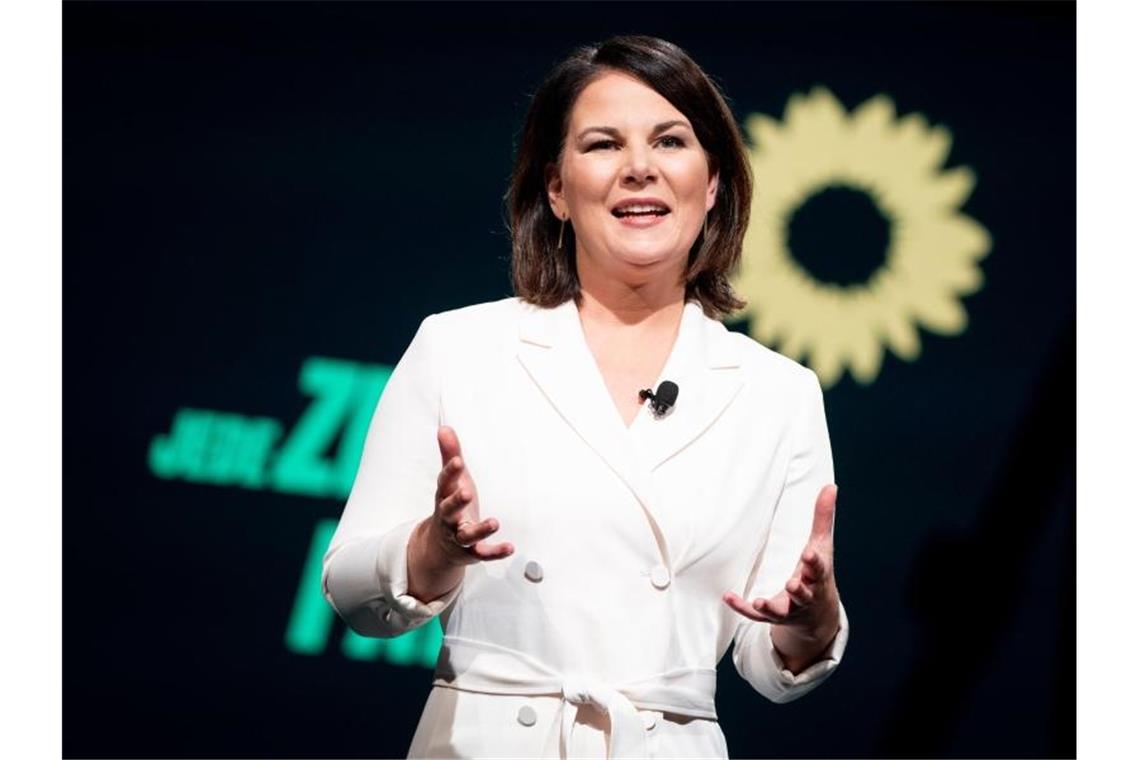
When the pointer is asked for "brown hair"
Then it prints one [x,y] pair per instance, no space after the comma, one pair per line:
[546,276]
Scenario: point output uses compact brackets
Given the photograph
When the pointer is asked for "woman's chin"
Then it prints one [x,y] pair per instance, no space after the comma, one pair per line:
[640,270]
[648,257]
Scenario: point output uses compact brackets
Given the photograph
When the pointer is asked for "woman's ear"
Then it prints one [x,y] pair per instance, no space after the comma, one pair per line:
[710,196]
[554,190]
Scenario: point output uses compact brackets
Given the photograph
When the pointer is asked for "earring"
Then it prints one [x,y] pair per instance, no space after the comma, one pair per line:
[706,230]
[561,229]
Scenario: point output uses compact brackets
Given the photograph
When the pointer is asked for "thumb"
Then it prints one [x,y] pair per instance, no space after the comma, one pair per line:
[824,520]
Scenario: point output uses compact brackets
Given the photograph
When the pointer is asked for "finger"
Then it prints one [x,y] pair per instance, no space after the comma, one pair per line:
[445,482]
[470,533]
[814,566]
[452,506]
[799,592]
[776,608]
[738,604]
[824,520]
[489,552]
[448,443]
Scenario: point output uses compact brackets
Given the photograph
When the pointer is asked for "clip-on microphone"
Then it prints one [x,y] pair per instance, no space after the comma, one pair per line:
[663,399]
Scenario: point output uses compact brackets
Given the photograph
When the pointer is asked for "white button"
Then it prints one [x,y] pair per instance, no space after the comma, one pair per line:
[533,571]
[648,719]
[659,576]
[527,715]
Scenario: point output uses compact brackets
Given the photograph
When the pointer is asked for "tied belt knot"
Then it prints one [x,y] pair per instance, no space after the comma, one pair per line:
[480,666]
[582,691]
[627,733]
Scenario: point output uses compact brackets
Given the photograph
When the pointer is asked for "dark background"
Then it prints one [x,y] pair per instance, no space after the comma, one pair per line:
[249,185]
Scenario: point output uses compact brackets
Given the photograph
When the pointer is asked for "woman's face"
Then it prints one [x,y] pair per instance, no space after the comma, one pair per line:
[634,180]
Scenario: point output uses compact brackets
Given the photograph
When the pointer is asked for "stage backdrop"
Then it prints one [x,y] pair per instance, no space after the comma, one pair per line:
[262,201]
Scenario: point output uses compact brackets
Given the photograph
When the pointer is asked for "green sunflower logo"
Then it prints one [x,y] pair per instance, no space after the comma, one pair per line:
[856,238]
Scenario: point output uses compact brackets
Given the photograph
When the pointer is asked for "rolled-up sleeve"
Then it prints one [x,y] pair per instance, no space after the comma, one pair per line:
[809,470]
[365,572]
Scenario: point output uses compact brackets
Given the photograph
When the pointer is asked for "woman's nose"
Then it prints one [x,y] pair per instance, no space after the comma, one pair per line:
[639,166]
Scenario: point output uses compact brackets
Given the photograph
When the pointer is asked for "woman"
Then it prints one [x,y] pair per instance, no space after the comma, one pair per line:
[593,554]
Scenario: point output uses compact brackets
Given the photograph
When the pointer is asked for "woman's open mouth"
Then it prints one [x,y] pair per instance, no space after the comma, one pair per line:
[640,214]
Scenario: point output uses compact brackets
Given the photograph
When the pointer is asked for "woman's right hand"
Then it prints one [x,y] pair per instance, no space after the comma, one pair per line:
[454,536]
[456,526]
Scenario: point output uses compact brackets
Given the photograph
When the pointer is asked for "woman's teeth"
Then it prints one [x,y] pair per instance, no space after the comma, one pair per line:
[641,211]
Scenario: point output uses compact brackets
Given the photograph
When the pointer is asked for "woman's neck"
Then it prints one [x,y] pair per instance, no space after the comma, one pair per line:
[609,301]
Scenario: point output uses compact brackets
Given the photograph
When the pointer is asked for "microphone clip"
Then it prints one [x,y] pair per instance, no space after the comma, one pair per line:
[661,401]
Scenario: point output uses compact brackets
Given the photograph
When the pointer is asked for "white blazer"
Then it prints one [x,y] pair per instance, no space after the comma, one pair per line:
[601,633]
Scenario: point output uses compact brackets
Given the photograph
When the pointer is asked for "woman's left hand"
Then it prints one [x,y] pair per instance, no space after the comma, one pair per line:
[805,615]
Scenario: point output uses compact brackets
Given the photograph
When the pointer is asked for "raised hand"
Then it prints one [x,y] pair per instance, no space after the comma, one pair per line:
[454,536]
[458,528]
[806,611]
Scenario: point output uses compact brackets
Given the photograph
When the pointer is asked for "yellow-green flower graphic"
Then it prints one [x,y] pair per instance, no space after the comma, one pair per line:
[932,254]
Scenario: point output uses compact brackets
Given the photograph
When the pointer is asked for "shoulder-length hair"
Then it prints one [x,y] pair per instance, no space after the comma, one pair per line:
[545,275]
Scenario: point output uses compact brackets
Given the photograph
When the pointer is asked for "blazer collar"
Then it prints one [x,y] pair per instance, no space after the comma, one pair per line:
[704,362]
[543,327]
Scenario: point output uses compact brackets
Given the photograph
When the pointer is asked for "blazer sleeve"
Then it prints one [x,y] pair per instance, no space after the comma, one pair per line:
[809,470]
[365,570]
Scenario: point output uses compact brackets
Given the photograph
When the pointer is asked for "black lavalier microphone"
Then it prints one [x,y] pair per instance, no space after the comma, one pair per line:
[663,399]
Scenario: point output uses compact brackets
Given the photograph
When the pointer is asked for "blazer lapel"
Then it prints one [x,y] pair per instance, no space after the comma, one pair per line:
[553,350]
[705,364]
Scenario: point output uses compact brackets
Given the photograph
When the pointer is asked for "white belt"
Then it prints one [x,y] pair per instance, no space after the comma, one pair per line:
[480,666]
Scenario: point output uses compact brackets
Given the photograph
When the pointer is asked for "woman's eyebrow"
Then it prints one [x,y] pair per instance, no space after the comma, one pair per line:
[613,132]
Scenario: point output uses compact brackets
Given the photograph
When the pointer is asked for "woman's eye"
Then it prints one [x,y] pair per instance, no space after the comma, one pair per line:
[668,141]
